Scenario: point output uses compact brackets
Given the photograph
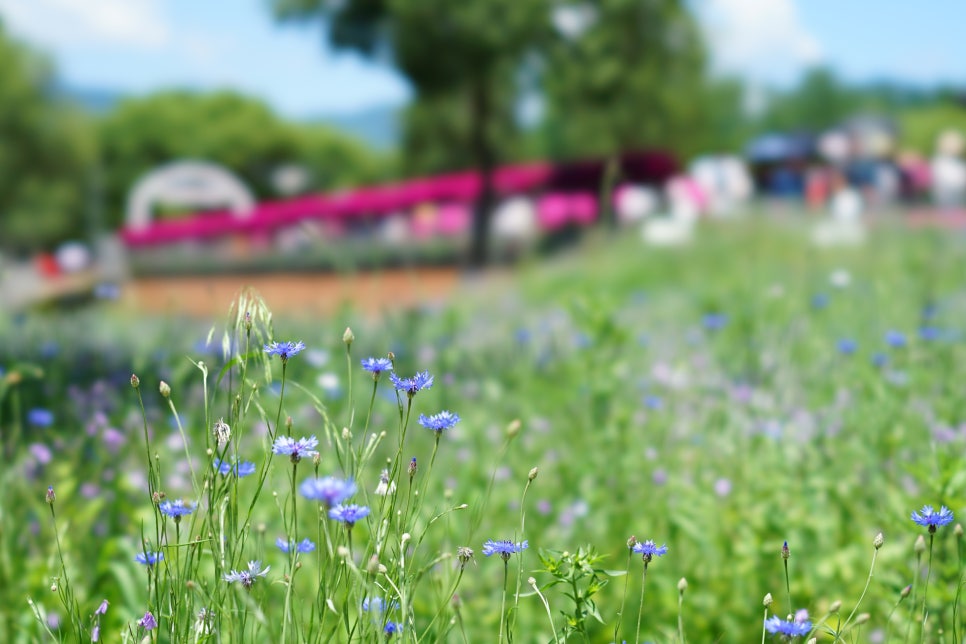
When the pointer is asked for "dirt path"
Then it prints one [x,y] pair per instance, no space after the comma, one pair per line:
[294,293]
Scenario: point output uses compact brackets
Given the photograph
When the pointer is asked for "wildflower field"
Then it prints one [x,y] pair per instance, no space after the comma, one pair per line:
[729,442]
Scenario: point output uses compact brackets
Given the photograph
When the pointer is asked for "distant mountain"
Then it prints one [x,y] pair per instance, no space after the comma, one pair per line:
[375,126]
[96,101]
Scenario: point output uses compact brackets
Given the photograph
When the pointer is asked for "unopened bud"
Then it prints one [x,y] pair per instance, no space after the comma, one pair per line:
[165,389]
[348,337]
[682,585]
[532,581]
[920,545]
[346,434]
[51,497]
[513,428]
[373,566]
[53,587]
[862,618]
[533,473]
[405,538]
[958,530]
[905,591]
[836,605]
[247,321]
[135,381]
[767,601]
[878,541]
[317,459]
[412,468]
[631,541]
[786,553]
[343,552]
[288,424]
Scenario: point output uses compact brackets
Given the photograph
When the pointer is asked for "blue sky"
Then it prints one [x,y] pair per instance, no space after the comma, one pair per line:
[137,46]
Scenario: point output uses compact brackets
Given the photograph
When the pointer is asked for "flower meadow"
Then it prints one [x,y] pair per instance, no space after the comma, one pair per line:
[744,440]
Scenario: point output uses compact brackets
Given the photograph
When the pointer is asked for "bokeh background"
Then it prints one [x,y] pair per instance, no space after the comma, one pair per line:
[704,257]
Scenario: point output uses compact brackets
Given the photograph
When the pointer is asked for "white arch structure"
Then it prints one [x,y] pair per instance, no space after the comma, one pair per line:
[194,184]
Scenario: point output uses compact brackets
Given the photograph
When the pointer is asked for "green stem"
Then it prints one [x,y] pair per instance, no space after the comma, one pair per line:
[868,581]
[506,566]
[925,588]
[620,614]
[640,610]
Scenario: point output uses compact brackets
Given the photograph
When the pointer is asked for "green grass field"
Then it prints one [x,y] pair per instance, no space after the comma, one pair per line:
[721,399]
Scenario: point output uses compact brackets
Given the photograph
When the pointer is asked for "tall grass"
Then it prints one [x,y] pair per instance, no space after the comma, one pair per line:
[700,398]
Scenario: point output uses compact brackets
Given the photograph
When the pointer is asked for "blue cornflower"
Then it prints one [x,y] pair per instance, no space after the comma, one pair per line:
[149,558]
[714,321]
[39,417]
[392,628]
[377,365]
[284,350]
[302,546]
[799,626]
[847,346]
[895,339]
[329,490]
[422,380]
[349,514]
[176,509]
[929,518]
[247,577]
[504,548]
[439,422]
[296,449]
[819,301]
[241,470]
[648,550]
[880,360]
[929,333]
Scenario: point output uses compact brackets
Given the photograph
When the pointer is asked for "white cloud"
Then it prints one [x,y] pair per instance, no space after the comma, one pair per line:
[761,39]
[56,23]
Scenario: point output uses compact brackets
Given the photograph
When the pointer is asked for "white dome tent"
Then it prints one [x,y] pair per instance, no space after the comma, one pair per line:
[190,183]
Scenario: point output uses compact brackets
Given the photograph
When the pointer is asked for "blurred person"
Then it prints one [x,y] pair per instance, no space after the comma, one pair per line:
[948,171]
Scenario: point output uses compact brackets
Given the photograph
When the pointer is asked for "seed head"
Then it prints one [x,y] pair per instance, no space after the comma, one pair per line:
[533,473]
[165,389]
[878,541]
[767,601]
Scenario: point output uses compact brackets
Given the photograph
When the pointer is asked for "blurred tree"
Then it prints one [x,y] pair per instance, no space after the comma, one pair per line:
[46,151]
[236,131]
[920,126]
[623,74]
[820,101]
[460,56]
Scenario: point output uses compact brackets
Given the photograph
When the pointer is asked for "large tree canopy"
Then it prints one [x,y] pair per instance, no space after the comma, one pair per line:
[45,153]
[461,58]
[612,75]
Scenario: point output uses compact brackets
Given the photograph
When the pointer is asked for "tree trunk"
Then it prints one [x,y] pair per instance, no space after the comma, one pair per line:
[485,156]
